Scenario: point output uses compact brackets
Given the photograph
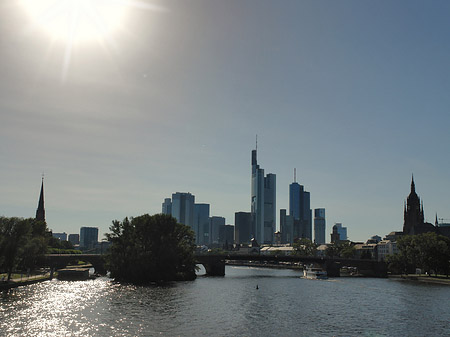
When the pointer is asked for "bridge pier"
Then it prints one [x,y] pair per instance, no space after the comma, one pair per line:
[215,268]
[333,268]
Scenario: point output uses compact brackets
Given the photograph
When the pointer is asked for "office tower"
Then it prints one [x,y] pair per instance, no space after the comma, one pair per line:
[319,226]
[60,236]
[167,206]
[263,203]
[226,235]
[201,223]
[183,208]
[214,223]
[300,210]
[242,227]
[74,239]
[40,212]
[342,231]
[286,227]
[88,237]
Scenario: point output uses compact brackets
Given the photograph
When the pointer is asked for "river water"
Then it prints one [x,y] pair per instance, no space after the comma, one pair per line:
[284,305]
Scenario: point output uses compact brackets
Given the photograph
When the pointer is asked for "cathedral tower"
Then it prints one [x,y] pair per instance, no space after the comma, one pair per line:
[413,213]
[40,212]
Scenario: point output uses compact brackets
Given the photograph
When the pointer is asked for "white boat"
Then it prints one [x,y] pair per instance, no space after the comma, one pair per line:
[314,273]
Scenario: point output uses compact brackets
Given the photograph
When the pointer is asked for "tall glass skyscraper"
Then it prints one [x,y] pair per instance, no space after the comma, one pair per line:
[300,210]
[183,208]
[201,223]
[319,226]
[88,237]
[263,203]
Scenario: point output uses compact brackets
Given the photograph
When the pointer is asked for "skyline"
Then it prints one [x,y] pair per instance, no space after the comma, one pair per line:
[353,95]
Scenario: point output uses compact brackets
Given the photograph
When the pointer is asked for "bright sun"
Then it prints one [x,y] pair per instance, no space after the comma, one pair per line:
[76,20]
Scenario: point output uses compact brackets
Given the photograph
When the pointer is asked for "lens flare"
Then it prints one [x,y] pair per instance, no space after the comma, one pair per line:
[76,20]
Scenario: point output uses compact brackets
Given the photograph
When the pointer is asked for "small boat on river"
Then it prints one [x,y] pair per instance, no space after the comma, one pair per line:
[312,272]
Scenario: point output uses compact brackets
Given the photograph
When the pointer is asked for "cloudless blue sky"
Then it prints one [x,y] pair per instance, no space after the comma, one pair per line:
[354,94]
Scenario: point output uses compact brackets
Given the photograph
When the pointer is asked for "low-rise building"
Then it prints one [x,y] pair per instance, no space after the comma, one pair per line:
[385,248]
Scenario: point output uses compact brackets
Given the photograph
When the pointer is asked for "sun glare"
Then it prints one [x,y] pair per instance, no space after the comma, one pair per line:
[76,20]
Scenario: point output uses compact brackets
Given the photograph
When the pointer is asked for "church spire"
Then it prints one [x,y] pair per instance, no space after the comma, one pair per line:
[40,212]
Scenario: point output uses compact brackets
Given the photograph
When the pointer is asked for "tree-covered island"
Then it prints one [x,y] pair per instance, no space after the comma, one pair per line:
[151,248]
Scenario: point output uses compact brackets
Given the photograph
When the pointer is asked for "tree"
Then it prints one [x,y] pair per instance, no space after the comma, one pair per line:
[343,249]
[147,249]
[14,234]
[428,251]
[304,247]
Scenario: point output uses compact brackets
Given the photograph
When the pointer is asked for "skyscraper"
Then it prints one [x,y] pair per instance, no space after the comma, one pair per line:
[242,227]
[201,223]
[214,224]
[167,206]
[183,208]
[40,212]
[286,227]
[342,231]
[263,203]
[300,210]
[319,226]
[88,237]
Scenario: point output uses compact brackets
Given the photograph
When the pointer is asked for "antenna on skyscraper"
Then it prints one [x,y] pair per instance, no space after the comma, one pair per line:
[256,143]
[295,175]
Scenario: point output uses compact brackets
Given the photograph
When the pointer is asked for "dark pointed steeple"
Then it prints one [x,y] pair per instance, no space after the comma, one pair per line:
[40,212]
[413,186]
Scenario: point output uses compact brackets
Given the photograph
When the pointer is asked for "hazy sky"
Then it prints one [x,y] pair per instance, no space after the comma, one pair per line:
[354,94]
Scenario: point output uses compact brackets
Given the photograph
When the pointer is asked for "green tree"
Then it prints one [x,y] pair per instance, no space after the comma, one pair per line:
[14,235]
[428,251]
[304,247]
[149,249]
[346,250]
[343,249]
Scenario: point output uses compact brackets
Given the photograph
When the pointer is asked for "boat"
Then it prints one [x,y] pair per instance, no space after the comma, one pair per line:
[312,272]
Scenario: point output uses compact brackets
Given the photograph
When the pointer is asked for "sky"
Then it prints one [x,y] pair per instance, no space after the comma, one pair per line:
[170,96]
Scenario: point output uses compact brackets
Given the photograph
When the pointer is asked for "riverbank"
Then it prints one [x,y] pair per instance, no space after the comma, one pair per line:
[24,281]
[421,278]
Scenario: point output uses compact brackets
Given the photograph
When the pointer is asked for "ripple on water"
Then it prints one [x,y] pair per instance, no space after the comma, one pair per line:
[284,305]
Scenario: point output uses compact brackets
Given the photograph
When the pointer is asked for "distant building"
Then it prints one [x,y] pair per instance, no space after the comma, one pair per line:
[286,227]
[214,223]
[319,226]
[167,206]
[342,231]
[413,215]
[386,248]
[226,235]
[201,223]
[242,227]
[74,239]
[60,236]
[40,212]
[183,208]
[88,237]
[339,233]
[263,203]
[374,239]
[300,210]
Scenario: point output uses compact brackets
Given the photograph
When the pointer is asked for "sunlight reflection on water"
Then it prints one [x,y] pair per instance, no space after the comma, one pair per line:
[284,305]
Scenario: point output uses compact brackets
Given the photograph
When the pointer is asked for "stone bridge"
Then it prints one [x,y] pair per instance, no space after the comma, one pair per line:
[60,261]
[215,263]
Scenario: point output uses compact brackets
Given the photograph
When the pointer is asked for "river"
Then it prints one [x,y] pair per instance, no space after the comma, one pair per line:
[284,305]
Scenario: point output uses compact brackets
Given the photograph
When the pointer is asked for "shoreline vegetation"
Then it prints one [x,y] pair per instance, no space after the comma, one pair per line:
[151,249]
[422,278]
